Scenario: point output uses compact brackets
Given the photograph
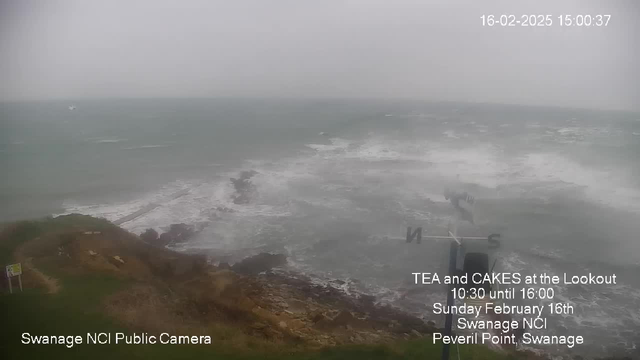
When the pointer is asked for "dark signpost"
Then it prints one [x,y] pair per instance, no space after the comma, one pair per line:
[454,246]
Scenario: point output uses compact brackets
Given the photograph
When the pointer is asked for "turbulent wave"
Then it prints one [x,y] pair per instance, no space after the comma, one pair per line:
[325,203]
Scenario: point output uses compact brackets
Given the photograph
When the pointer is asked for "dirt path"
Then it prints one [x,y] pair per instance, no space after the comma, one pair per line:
[51,284]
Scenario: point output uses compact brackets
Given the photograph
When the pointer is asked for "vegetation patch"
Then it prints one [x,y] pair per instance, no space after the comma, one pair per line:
[85,276]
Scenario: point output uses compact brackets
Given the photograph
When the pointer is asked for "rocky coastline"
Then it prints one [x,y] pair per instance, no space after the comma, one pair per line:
[294,304]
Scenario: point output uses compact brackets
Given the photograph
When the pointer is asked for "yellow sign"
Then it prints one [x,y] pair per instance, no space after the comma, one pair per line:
[14,270]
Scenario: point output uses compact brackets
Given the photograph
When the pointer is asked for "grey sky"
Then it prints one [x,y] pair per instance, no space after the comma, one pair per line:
[436,50]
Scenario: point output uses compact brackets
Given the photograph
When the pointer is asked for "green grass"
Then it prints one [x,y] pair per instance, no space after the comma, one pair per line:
[76,310]
[23,231]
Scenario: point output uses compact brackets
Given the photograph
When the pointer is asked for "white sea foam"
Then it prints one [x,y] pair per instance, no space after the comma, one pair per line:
[548,253]
[197,204]
[145,147]
[606,187]
[571,130]
[336,144]
[280,182]
[451,134]
[489,166]
[108,141]
[375,152]
[115,211]
[512,262]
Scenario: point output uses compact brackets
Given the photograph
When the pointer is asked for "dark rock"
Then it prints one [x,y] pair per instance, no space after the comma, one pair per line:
[318,316]
[181,231]
[187,265]
[367,300]
[243,186]
[168,267]
[224,265]
[259,326]
[149,236]
[344,318]
[324,324]
[247,174]
[259,263]
[178,233]
[200,262]
[164,240]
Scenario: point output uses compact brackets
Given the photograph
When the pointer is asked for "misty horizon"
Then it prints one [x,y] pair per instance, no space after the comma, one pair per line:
[75,101]
[436,51]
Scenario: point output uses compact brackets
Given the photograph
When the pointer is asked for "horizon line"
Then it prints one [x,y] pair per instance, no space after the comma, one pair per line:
[322,98]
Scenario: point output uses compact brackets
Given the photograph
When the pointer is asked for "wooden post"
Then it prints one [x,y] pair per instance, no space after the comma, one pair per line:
[10,287]
[20,281]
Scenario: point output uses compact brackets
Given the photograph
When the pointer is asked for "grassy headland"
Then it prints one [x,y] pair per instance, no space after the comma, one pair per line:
[74,285]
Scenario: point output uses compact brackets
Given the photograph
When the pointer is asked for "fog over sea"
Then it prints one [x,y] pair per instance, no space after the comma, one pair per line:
[562,186]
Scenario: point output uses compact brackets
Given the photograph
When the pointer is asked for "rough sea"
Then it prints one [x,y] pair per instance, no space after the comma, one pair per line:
[561,186]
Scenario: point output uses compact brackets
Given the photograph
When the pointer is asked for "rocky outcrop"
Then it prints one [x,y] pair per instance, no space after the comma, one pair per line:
[178,233]
[330,309]
[243,186]
[345,319]
[256,264]
[149,236]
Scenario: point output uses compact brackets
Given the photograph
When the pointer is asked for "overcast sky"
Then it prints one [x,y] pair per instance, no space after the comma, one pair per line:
[434,50]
